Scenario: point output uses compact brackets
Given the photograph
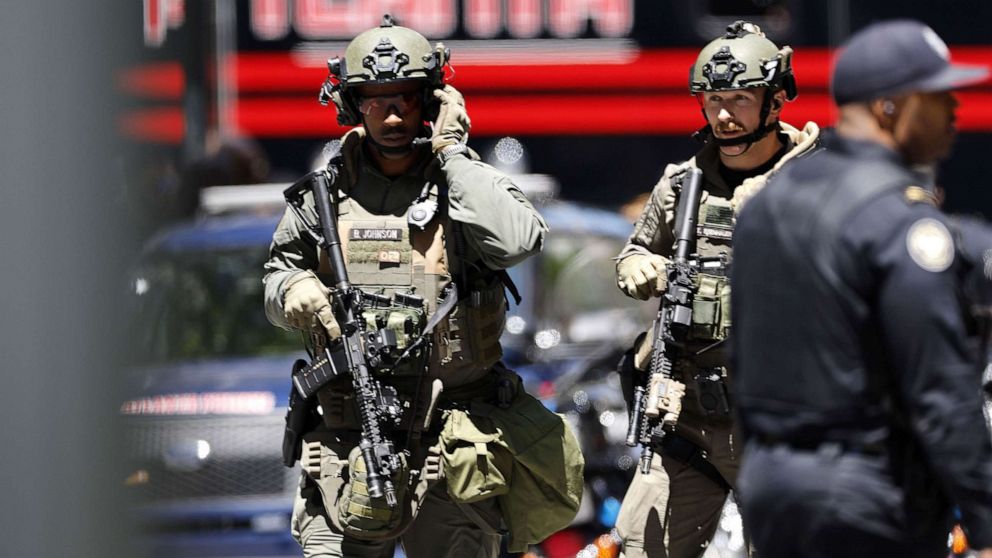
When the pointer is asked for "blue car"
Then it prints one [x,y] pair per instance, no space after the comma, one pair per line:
[208,397]
[209,393]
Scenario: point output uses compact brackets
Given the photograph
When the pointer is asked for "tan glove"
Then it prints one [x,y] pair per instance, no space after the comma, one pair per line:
[452,124]
[307,298]
[642,276]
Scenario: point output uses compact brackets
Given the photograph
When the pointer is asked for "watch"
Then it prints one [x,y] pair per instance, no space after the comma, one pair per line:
[450,151]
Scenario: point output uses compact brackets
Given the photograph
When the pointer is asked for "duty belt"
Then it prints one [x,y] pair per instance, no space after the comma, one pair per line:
[830,445]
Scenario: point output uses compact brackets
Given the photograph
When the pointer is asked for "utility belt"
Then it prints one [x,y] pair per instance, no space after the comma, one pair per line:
[495,388]
[832,444]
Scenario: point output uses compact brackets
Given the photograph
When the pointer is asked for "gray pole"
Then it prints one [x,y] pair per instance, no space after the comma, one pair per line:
[61,221]
[197,55]
[838,21]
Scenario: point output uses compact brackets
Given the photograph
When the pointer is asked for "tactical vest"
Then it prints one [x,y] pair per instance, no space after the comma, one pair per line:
[714,239]
[385,255]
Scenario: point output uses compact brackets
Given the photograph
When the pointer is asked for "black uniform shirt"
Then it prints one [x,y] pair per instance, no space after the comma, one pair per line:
[847,305]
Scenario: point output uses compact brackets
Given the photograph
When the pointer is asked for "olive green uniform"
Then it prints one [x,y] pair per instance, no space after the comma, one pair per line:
[674,510]
[484,223]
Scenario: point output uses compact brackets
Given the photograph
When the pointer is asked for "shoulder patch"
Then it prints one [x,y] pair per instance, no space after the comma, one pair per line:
[918,194]
[929,244]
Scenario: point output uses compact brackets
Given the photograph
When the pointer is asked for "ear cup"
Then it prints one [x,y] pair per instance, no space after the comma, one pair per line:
[347,109]
[431,104]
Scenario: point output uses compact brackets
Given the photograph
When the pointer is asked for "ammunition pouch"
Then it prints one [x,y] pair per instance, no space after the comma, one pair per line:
[710,309]
[395,326]
[474,328]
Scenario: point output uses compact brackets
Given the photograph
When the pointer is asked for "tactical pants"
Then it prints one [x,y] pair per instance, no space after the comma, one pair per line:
[673,512]
[441,529]
[826,503]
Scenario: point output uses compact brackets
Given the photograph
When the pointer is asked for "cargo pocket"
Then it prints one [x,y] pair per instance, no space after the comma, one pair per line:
[476,466]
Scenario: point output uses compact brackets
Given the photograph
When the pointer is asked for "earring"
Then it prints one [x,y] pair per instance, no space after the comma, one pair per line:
[888,107]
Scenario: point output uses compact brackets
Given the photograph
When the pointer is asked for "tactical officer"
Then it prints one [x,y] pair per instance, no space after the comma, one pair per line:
[417,212]
[857,388]
[742,81]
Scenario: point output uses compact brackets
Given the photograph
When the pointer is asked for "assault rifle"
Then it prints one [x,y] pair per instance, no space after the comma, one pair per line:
[356,353]
[657,404]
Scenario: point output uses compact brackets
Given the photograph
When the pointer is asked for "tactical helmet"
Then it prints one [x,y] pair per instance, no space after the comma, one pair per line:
[740,59]
[385,54]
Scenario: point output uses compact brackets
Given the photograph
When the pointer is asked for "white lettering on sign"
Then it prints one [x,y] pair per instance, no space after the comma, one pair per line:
[155,26]
[438,19]
[483,18]
[159,16]
[525,18]
[610,18]
[269,19]
[325,19]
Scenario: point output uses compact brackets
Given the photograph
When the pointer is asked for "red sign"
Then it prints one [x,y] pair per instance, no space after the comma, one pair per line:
[436,19]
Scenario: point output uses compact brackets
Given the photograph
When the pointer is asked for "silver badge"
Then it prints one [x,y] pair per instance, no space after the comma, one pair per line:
[421,213]
[930,245]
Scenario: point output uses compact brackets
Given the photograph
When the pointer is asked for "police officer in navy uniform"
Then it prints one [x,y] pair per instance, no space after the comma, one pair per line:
[857,387]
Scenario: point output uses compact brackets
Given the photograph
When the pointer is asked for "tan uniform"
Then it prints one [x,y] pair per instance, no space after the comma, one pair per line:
[673,511]
[498,228]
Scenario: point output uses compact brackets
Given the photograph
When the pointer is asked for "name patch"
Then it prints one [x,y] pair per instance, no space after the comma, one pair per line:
[719,233]
[376,234]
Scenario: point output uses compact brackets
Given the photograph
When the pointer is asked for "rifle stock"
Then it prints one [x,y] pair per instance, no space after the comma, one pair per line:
[657,404]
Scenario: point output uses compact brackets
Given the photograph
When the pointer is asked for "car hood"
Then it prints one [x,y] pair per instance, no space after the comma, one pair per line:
[243,374]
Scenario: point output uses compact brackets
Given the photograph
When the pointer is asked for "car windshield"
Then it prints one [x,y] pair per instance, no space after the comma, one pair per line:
[204,304]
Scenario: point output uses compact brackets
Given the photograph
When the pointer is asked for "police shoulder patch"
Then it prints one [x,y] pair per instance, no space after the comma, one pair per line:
[918,194]
[930,245]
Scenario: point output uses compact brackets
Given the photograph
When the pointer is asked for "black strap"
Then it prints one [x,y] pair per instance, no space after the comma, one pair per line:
[509,285]
[681,449]
[462,275]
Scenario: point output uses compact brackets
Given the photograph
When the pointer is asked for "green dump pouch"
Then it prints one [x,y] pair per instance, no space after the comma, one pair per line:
[538,458]
[711,309]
